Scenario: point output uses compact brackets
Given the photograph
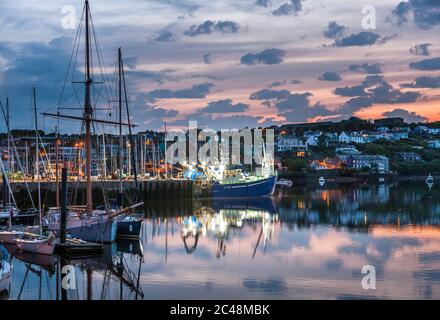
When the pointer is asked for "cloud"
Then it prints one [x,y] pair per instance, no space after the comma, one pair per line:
[420,49]
[294,107]
[334,30]
[209,27]
[426,13]
[224,106]
[288,8]
[423,82]
[354,91]
[131,62]
[207,59]
[426,65]
[410,117]
[373,68]
[373,90]
[268,56]
[262,3]
[277,83]
[224,122]
[165,36]
[150,115]
[387,38]
[365,38]
[330,76]
[198,91]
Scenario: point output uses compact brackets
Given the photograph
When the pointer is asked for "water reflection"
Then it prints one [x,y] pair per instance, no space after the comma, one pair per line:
[304,243]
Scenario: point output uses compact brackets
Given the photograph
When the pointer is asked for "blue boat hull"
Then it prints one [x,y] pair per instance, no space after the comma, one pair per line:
[95,232]
[129,229]
[263,187]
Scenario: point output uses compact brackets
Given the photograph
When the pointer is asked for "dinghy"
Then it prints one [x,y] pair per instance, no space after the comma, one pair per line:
[36,244]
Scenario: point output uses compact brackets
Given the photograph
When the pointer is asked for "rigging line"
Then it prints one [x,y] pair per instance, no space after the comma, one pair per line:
[100,57]
[14,147]
[129,128]
[70,62]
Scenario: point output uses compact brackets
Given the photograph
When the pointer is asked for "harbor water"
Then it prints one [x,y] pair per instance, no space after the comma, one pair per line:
[304,243]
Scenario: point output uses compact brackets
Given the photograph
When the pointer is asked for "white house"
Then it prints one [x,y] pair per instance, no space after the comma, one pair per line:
[312,141]
[351,138]
[290,143]
[434,144]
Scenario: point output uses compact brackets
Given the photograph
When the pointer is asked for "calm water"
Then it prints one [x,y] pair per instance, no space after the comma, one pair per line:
[305,244]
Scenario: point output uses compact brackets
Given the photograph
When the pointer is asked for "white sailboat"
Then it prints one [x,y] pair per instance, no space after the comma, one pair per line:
[27,242]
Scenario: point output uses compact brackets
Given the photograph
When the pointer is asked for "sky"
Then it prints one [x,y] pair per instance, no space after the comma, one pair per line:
[227,63]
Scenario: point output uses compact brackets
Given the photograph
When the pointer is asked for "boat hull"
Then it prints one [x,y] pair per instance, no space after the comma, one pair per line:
[8,237]
[129,229]
[96,231]
[45,246]
[263,187]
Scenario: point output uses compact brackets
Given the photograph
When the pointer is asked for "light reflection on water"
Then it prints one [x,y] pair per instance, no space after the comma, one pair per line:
[303,244]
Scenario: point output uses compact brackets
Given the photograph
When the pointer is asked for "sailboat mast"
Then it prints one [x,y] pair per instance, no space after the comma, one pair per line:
[88,113]
[37,163]
[121,142]
[9,146]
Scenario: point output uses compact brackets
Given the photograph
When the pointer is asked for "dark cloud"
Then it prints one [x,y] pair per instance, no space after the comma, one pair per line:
[288,8]
[420,49]
[373,90]
[198,91]
[295,82]
[423,82]
[209,27]
[330,76]
[295,107]
[165,36]
[277,83]
[401,11]
[426,65]
[426,13]
[207,59]
[268,56]
[41,64]
[410,117]
[224,106]
[365,38]
[150,115]
[355,91]
[263,3]
[334,30]
[373,68]
[387,38]
[131,62]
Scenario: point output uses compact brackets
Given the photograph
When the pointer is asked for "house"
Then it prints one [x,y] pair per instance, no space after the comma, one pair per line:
[434,131]
[326,164]
[421,129]
[348,150]
[434,144]
[331,139]
[351,138]
[289,143]
[312,141]
[375,162]
[407,156]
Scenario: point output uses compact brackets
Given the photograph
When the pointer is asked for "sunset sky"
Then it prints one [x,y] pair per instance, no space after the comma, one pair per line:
[233,63]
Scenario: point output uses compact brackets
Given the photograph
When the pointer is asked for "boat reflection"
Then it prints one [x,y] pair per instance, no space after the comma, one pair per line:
[217,222]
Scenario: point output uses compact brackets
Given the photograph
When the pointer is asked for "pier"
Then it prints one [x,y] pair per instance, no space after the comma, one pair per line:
[152,190]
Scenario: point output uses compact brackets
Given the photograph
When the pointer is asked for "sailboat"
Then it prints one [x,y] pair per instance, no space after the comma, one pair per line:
[39,244]
[83,221]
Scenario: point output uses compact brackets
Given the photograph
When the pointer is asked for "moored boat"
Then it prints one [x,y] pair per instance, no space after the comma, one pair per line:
[36,244]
